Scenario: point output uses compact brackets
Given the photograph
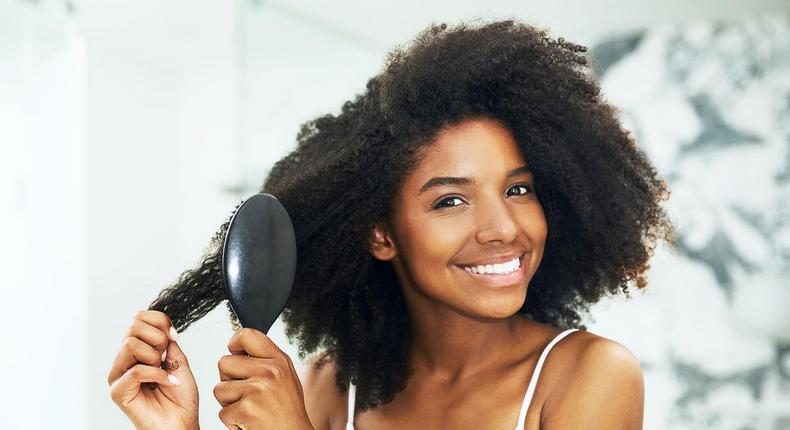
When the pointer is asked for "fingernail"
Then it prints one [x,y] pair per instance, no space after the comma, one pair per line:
[173,379]
[173,334]
[164,355]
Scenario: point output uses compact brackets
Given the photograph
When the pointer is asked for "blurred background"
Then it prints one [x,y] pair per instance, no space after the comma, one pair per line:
[130,130]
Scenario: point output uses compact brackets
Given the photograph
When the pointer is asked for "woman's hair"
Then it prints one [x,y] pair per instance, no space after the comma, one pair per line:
[600,194]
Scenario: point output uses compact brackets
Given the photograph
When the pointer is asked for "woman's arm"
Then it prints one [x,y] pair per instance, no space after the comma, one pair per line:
[605,390]
[321,396]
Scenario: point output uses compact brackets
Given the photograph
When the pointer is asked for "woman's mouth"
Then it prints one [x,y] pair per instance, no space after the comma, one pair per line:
[503,274]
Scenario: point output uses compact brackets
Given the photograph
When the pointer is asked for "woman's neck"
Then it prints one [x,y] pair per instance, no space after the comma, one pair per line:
[451,347]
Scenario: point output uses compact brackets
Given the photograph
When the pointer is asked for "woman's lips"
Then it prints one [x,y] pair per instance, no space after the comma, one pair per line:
[495,280]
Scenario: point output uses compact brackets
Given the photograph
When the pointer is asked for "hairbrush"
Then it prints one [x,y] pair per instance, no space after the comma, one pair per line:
[259,261]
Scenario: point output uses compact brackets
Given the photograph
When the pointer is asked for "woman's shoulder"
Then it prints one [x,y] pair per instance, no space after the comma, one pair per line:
[322,396]
[590,349]
[584,346]
[593,378]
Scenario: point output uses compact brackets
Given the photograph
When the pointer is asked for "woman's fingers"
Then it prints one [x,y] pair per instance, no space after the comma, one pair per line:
[243,366]
[127,386]
[133,351]
[227,392]
[233,414]
[146,342]
[149,334]
[255,343]
[163,331]
[174,352]
[159,320]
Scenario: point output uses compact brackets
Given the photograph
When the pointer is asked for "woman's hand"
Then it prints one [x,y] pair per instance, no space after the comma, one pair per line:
[152,397]
[260,388]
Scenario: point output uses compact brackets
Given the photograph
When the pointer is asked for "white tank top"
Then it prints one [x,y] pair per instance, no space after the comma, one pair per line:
[352,390]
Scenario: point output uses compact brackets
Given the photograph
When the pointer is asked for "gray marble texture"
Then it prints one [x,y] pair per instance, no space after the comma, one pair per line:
[710,104]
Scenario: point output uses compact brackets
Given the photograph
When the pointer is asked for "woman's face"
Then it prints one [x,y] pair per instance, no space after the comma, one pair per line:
[470,202]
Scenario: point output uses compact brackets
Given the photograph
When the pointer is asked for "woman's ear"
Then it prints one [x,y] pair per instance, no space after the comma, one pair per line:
[381,244]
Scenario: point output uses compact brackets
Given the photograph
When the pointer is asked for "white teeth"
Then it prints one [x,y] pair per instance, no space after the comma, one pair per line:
[501,268]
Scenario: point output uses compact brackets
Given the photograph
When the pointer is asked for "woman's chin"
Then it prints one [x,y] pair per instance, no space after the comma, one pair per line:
[499,308]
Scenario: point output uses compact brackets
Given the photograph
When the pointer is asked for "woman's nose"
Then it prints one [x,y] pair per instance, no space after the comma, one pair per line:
[495,221]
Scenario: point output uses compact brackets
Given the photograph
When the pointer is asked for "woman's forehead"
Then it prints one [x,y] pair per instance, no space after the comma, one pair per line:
[480,147]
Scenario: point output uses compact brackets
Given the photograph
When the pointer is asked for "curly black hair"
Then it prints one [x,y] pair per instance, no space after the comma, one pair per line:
[599,192]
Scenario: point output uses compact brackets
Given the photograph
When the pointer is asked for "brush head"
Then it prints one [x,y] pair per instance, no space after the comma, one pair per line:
[259,261]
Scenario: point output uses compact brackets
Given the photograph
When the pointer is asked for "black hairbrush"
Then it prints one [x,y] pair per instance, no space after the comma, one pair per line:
[259,261]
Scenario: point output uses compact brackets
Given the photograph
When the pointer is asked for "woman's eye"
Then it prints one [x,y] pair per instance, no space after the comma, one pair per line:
[525,187]
[441,203]
[445,203]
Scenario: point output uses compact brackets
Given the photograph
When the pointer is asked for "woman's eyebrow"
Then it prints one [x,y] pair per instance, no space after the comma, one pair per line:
[454,180]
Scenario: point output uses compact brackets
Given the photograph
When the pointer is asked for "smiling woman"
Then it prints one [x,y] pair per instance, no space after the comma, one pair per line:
[453,223]
[476,210]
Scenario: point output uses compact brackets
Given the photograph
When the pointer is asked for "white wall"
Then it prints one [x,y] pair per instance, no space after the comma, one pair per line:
[42,207]
[161,139]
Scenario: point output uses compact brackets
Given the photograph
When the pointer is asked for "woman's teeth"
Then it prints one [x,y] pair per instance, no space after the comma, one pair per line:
[499,269]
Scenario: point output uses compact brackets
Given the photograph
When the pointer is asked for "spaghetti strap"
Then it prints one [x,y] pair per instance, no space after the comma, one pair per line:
[352,398]
[533,382]
[352,389]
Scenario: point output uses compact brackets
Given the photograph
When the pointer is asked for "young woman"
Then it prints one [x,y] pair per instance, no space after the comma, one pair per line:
[453,223]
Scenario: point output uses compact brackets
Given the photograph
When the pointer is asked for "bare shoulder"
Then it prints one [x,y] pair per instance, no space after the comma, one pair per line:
[598,384]
[322,396]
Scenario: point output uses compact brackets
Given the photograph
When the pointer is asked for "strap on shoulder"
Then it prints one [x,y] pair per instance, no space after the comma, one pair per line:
[533,382]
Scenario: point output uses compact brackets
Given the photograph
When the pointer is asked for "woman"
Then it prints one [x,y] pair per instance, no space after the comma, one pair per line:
[453,223]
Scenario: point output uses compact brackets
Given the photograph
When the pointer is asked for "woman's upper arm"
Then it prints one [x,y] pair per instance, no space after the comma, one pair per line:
[605,390]
[320,393]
